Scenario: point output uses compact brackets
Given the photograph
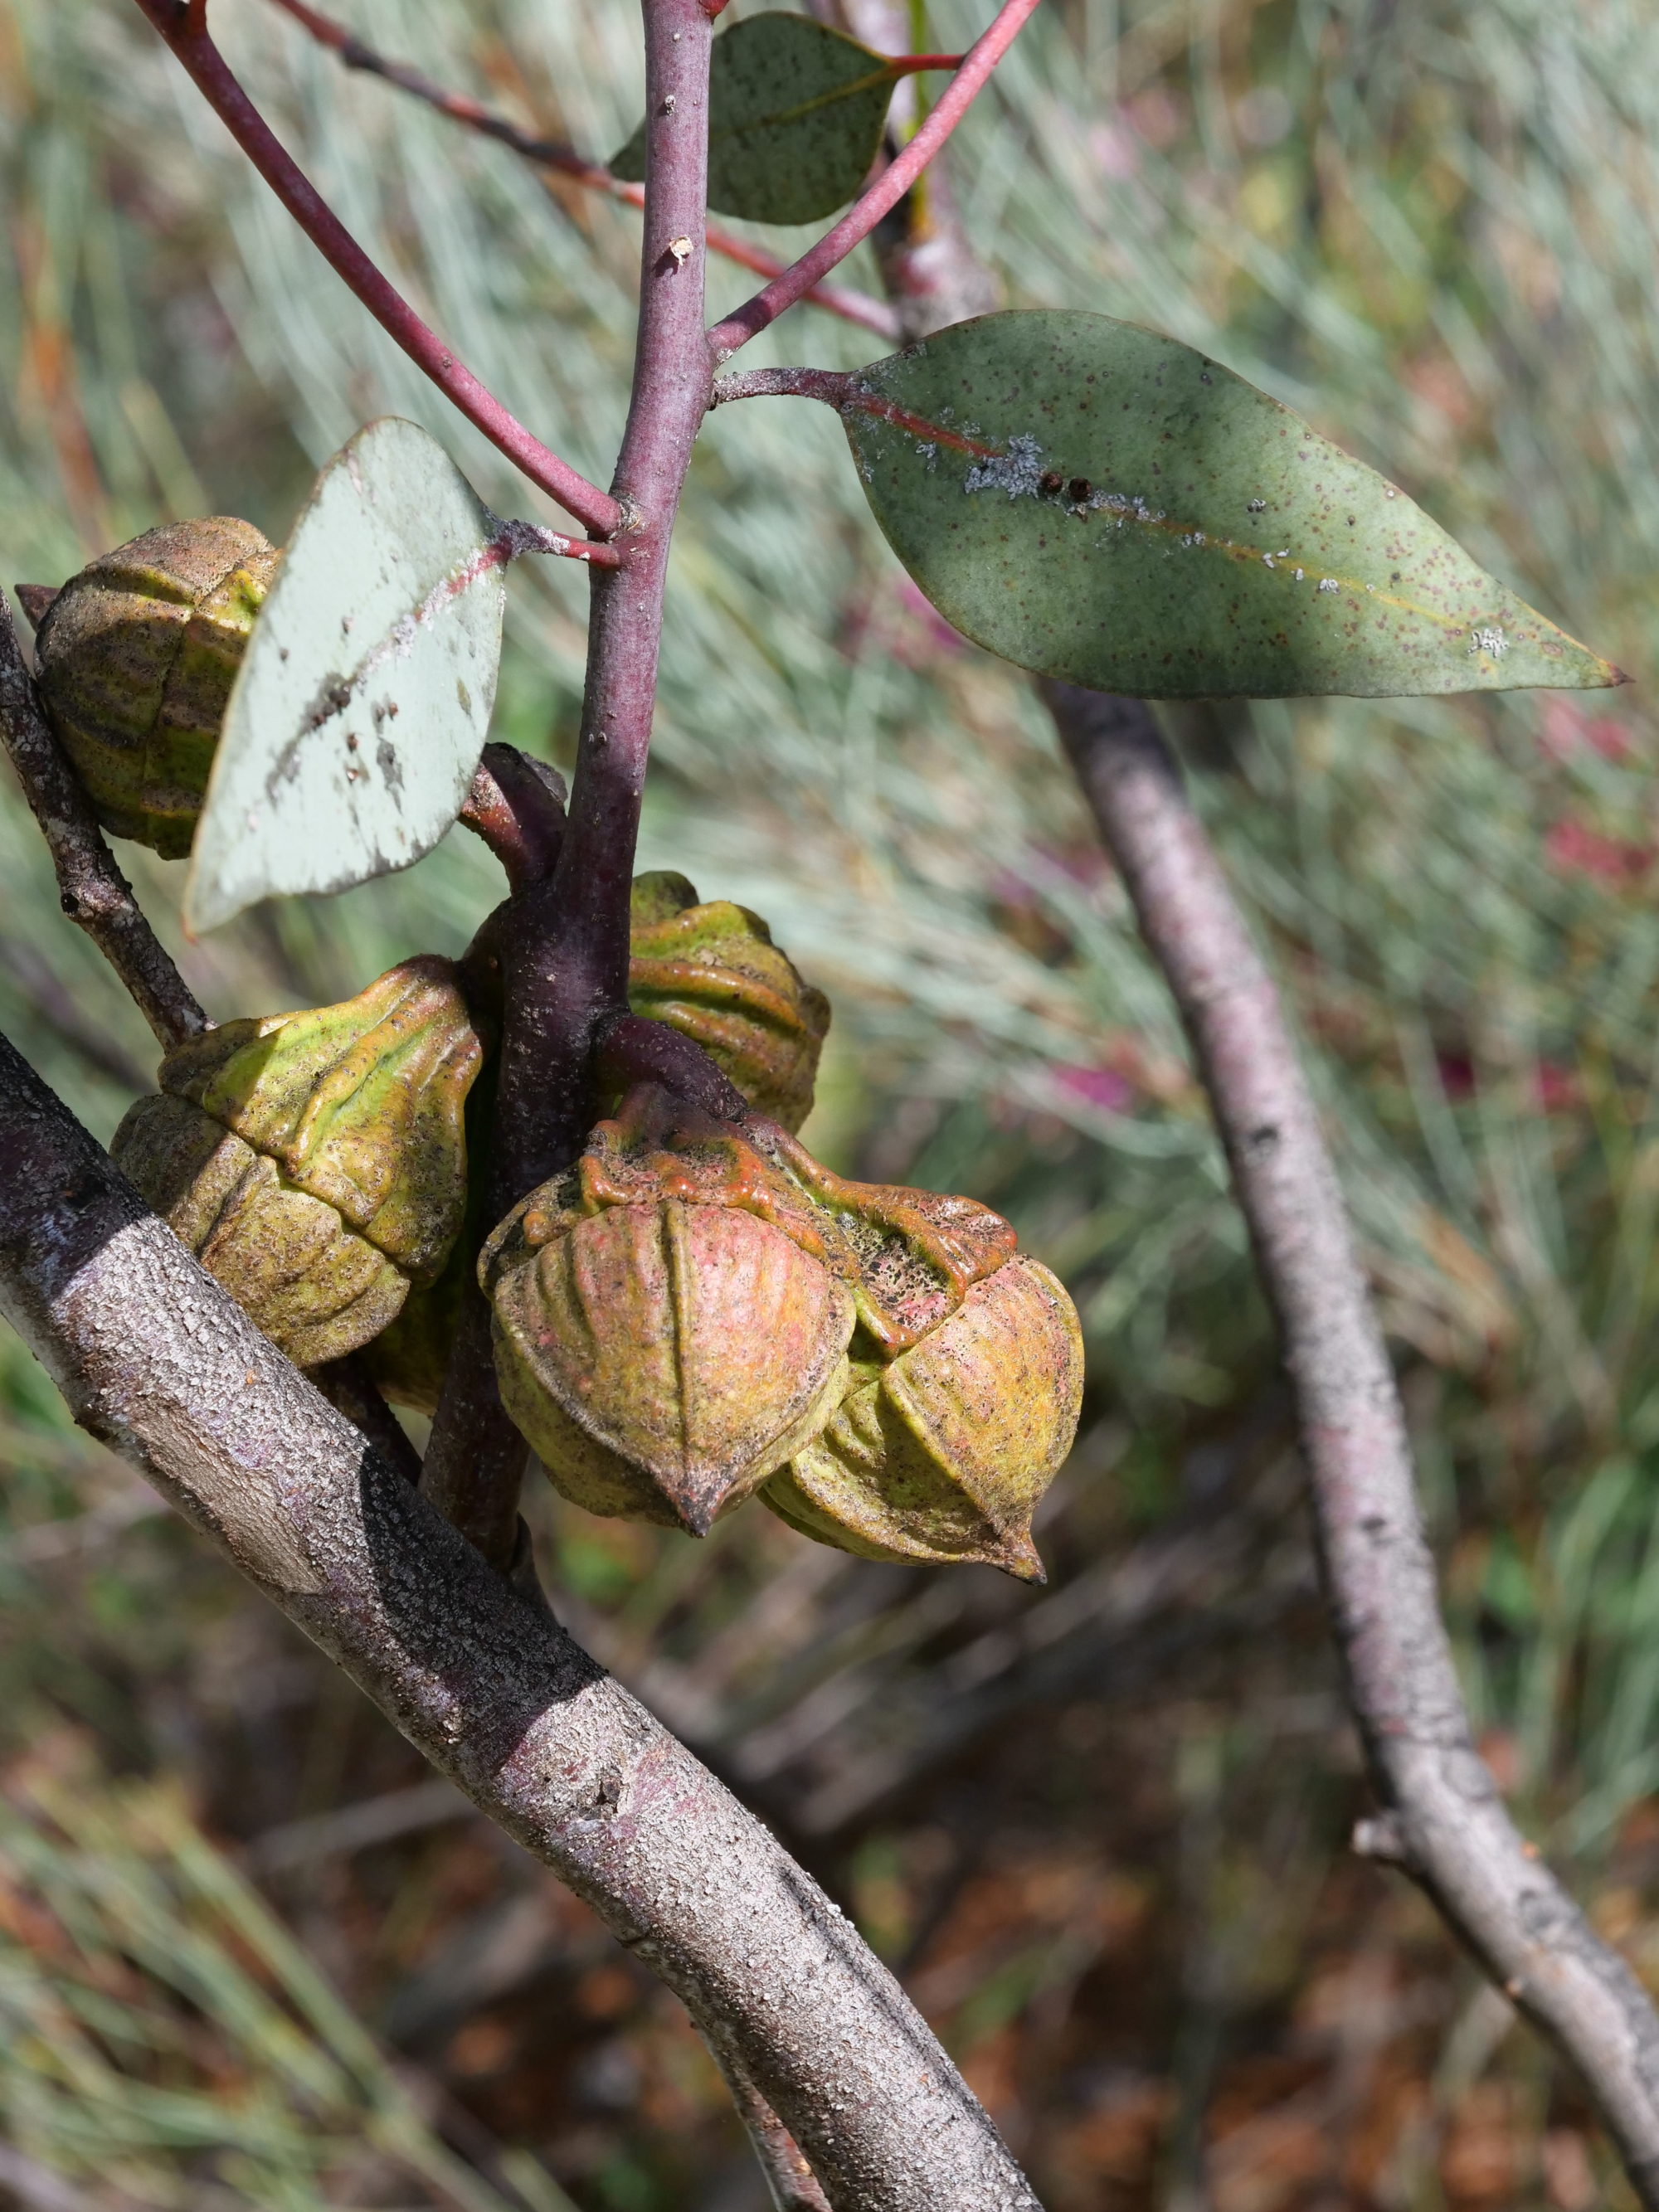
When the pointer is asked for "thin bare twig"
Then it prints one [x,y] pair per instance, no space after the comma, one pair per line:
[95,893]
[475,1462]
[867,210]
[790,2181]
[157,1360]
[1443,1821]
[185,30]
[853,306]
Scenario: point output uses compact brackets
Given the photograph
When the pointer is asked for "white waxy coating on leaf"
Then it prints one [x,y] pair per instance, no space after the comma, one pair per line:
[365,695]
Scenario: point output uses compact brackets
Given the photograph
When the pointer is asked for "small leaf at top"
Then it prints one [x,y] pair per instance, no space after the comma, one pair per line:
[795,116]
[364,697]
[1094,502]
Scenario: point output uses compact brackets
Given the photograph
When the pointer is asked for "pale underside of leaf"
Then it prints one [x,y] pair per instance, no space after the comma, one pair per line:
[795,118]
[364,698]
[1094,502]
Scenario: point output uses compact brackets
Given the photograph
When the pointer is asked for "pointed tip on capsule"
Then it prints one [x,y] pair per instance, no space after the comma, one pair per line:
[1021,1560]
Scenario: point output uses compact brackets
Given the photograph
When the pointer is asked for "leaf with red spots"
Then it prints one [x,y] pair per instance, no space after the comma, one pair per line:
[1094,502]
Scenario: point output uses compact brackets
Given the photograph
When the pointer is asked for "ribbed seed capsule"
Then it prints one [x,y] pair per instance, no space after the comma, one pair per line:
[316,1162]
[943,1454]
[712,972]
[663,1359]
[672,1315]
[136,656]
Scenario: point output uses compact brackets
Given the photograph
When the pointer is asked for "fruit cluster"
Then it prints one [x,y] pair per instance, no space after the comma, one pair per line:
[695,1312]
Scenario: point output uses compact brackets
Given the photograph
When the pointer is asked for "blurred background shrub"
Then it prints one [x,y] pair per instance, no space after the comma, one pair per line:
[1100,1829]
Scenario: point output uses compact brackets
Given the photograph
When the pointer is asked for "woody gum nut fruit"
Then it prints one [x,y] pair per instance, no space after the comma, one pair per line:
[663,1359]
[712,972]
[943,1455]
[908,1255]
[312,1285]
[329,1147]
[136,656]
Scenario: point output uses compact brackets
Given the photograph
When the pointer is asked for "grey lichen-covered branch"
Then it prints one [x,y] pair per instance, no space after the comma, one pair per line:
[93,891]
[155,1358]
[1442,1820]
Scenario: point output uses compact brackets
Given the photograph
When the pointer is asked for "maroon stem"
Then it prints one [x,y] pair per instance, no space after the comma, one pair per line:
[516,806]
[562,943]
[476,1459]
[549,153]
[184,28]
[632,1049]
[888,189]
[1443,1820]
[566,967]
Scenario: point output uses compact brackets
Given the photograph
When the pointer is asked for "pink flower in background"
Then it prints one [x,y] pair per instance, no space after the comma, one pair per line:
[1101,1087]
[1456,1072]
[1574,849]
[1564,729]
[1558,1088]
[903,623]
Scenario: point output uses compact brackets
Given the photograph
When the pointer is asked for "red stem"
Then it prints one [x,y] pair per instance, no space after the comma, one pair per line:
[184,28]
[886,193]
[565,962]
[548,153]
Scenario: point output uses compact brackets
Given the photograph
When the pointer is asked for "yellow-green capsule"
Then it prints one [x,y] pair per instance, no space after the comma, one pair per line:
[663,1357]
[943,1454]
[135,658]
[316,1162]
[712,972]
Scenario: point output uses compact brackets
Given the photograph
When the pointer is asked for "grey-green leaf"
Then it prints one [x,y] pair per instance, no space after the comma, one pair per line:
[795,118]
[365,694]
[1094,502]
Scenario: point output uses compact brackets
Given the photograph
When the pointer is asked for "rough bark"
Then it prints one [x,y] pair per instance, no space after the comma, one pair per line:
[157,1361]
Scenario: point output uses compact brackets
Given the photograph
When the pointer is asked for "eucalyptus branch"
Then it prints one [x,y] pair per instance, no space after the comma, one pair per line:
[853,306]
[184,27]
[867,210]
[351,1390]
[790,2180]
[1443,1821]
[565,966]
[156,1360]
[563,957]
[93,891]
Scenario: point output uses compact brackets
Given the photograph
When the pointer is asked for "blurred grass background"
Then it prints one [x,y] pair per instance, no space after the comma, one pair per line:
[1100,1829]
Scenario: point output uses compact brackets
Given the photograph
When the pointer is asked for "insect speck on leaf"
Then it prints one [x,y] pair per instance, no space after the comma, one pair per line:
[679,251]
[1255,506]
[668,103]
